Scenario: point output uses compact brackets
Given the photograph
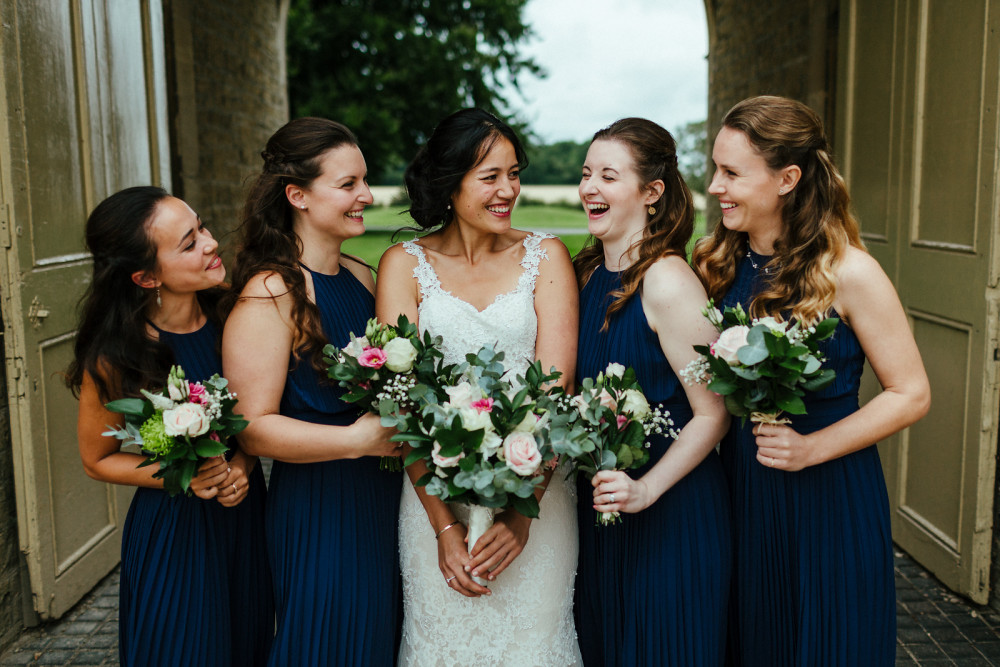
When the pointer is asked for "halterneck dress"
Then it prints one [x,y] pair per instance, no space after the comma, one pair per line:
[528,619]
[813,581]
[653,589]
[332,525]
[195,585]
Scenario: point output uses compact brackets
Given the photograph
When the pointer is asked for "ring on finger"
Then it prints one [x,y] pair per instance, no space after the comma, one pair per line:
[772,461]
[235,490]
[448,580]
[611,498]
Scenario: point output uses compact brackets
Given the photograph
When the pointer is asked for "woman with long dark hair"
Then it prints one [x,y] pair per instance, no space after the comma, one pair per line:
[195,587]
[476,282]
[653,590]
[331,515]
[813,579]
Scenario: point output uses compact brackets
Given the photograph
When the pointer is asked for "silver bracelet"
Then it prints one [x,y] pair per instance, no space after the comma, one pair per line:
[445,528]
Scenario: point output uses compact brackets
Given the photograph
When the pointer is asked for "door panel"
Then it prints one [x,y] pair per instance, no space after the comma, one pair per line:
[82,119]
[931,226]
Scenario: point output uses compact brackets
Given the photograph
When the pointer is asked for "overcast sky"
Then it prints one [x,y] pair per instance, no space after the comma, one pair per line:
[608,60]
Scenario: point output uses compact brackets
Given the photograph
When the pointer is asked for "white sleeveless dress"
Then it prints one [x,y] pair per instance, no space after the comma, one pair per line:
[528,619]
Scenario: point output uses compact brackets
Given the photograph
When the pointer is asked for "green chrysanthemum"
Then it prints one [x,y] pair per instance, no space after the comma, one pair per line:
[154,435]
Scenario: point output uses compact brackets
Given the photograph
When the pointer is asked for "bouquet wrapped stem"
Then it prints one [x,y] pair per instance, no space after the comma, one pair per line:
[480,520]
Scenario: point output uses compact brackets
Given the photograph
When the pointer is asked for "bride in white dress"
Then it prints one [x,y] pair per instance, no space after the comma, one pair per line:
[475,281]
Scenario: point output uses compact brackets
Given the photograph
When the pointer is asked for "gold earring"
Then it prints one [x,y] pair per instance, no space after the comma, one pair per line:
[651,210]
[159,301]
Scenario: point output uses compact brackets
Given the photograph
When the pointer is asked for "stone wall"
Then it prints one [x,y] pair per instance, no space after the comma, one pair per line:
[228,94]
[11,612]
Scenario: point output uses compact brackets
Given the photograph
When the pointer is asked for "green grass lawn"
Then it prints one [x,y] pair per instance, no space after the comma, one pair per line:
[382,221]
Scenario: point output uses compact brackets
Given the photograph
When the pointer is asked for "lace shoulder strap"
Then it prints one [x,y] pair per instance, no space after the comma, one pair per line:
[427,279]
[533,255]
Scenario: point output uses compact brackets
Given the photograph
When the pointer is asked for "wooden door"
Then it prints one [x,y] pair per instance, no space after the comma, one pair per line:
[917,137]
[82,98]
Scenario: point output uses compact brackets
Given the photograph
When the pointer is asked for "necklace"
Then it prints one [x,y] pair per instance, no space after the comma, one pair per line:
[768,270]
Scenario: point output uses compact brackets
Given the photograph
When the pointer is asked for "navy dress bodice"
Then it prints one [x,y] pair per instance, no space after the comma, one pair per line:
[813,581]
[195,583]
[332,526]
[653,589]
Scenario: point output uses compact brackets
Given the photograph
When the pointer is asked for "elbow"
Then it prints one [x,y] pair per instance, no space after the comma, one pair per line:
[93,471]
[922,402]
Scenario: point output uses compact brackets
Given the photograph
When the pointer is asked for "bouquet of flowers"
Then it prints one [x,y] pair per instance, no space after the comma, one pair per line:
[382,368]
[761,366]
[179,427]
[483,437]
[605,426]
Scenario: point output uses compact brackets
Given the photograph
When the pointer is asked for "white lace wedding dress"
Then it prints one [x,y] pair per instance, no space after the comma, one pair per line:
[528,619]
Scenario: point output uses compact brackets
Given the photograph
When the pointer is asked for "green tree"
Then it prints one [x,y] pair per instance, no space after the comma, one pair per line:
[692,154]
[555,164]
[391,69]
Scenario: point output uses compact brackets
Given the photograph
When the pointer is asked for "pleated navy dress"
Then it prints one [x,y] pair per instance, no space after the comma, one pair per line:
[813,583]
[195,584]
[332,526]
[653,589]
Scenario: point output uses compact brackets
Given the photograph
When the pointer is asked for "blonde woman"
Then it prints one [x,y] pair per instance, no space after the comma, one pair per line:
[813,575]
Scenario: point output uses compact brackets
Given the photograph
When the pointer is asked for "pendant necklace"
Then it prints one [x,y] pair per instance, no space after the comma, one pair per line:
[767,269]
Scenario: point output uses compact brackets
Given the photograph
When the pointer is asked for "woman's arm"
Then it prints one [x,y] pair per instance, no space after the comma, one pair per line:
[867,300]
[104,460]
[256,347]
[395,295]
[672,299]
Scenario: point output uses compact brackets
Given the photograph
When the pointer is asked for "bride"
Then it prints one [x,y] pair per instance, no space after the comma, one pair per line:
[475,281]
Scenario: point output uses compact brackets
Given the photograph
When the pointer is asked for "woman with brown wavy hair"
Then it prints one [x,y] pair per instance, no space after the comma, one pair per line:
[813,580]
[331,515]
[652,591]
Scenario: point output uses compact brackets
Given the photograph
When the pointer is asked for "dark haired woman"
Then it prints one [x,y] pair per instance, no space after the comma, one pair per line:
[331,515]
[475,281]
[195,587]
[813,577]
[653,590]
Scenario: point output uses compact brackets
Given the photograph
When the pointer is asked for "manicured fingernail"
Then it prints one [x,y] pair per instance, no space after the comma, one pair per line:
[475,573]
[466,568]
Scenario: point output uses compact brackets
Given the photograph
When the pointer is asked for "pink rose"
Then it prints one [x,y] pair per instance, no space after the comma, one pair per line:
[622,421]
[729,343]
[214,436]
[186,419]
[520,451]
[483,405]
[197,393]
[373,357]
[607,400]
[444,461]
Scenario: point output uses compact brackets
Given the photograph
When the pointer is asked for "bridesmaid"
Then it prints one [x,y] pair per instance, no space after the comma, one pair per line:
[195,587]
[653,590]
[331,515]
[813,581]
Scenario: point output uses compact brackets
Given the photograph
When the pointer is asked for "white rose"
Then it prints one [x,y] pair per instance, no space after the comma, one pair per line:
[399,355]
[520,451]
[528,424]
[186,419]
[444,461]
[491,443]
[773,324]
[635,404]
[462,395]
[473,419]
[615,370]
[729,343]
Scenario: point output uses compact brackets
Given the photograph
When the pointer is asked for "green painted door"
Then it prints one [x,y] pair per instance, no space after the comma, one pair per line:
[917,127]
[82,98]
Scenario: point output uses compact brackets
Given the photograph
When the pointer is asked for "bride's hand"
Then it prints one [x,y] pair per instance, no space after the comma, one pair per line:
[500,545]
[453,555]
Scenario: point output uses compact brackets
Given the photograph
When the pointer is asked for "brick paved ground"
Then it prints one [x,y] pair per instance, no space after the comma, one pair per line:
[936,627]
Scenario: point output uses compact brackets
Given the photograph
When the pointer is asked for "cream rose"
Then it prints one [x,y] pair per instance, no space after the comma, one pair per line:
[615,370]
[473,419]
[186,419]
[491,443]
[773,324]
[635,404]
[399,355]
[729,343]
[520,451]
[462,395]
[444,461]
[528,424]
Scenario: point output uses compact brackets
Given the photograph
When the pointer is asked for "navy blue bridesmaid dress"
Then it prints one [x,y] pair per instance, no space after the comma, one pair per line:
[332,526]
[813,583]
[195,583]
[653,589]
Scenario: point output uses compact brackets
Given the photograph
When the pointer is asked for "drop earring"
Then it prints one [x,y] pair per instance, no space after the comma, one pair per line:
[159,301]
[651,210]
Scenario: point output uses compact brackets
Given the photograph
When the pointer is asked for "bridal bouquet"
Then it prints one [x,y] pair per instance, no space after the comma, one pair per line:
[605,426]
[381,369]
[179,427]
[761,366]
[482,436]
